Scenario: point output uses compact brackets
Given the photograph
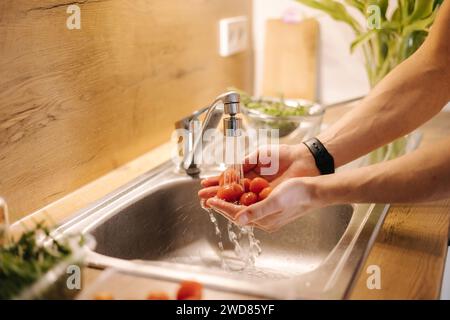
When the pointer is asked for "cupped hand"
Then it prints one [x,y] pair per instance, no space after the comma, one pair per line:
[293,161]
[290,200]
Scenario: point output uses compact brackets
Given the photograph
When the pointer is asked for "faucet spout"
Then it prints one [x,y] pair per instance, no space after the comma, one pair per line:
[227,103]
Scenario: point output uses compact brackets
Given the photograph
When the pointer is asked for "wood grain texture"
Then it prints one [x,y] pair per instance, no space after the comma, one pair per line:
[410,251]
[290,59]
[75,104]
[57,211]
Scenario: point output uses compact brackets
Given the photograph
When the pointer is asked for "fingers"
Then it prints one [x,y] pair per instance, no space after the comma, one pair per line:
[259,160]
[209,182]
[232,211]
[250,162]
[251,175]
[257,211]
[209,192]
[277,220]
[227,209]
[214,181]
[254,162]
[280,179]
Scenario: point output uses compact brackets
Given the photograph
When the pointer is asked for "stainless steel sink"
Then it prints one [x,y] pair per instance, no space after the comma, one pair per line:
[156,227]
[169,225]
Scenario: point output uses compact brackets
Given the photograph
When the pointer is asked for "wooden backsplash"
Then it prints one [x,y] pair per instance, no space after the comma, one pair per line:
[75,104]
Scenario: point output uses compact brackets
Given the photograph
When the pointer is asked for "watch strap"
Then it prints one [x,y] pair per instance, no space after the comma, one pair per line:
[324,160]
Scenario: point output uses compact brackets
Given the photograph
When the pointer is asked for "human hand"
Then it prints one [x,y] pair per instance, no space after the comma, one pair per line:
[290,200]
[293,161]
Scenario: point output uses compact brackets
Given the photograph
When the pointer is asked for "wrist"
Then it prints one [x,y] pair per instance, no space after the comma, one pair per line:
[304,157]
[320,191]
[328,139]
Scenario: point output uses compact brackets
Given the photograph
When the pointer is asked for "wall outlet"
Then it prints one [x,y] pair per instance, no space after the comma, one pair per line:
[233,34]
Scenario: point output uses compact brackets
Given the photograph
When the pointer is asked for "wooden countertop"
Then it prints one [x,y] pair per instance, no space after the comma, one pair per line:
[410,248]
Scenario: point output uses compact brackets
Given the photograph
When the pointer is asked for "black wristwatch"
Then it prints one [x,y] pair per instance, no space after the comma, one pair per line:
[324,160]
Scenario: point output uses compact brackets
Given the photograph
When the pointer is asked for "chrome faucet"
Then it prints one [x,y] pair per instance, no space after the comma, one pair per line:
[227,103]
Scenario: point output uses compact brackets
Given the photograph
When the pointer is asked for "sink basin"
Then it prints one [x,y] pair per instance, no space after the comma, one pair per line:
[170,225]
[156,227]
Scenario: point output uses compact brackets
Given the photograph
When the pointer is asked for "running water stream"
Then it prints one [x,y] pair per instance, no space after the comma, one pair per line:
[246,246]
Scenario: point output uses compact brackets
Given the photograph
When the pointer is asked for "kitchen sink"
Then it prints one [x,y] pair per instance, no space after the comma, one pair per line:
[170,225]
[155,227]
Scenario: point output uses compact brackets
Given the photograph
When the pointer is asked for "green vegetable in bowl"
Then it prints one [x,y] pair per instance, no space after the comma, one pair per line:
[273,113]
[275,107]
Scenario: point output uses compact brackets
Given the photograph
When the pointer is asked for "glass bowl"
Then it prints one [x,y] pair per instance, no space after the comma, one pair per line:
[291,128]
[53,284]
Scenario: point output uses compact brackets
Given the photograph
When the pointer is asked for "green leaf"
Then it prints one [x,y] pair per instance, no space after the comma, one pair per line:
[397,15]
[362,38]
[334,9]
[406,8]
[420,25]
[422,9]
[358,4]
[400,35]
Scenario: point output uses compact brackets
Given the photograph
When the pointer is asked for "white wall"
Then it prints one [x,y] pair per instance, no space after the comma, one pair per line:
[341,75]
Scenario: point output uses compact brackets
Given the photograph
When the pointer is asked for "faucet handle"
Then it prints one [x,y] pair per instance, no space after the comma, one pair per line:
[185,122]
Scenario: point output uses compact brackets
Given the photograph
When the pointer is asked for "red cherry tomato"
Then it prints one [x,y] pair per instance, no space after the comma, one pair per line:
[264,193]
[246,184]
[228,176]
[103,296]
[158,296]
[230,192]
[190,290]
[248,198]
[258,184]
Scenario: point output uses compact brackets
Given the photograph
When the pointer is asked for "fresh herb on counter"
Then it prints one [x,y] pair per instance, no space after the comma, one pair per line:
[23,262]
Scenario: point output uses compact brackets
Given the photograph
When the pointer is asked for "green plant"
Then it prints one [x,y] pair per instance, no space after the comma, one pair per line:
[403,26]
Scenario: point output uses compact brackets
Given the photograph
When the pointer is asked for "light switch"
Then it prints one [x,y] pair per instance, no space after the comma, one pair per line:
[233,33]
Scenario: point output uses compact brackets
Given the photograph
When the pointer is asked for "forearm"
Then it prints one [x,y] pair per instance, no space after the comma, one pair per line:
[409,96]
[423,175]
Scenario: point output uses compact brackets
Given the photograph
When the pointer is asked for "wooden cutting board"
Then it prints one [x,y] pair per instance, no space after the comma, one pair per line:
[290,59]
